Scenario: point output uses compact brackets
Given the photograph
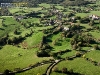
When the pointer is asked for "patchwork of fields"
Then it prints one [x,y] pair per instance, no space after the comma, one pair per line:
[51,32]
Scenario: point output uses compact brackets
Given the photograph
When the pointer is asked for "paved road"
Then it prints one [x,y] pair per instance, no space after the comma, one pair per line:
[50,67]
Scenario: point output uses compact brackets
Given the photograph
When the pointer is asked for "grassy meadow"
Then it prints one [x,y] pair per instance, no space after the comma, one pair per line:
[80,65]
[13,57]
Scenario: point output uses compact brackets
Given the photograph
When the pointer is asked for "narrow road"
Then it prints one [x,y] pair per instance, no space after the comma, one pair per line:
[51,66]
[49,69]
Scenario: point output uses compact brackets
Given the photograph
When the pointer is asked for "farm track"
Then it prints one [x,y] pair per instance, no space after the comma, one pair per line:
[49,69]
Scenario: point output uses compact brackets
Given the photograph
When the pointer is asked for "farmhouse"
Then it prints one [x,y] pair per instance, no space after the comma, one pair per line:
[13,4]
[94,17]
[19,17]
[5,4]
[66,28]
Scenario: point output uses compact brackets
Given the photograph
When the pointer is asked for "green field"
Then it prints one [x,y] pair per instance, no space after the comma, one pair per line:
[10,58]
[82,14]
[94,55]
[95,12]
[46,32]
[0,22]
[24,10]
[10,25]
[45,5]
[39,70]
[32,20]
[80,65]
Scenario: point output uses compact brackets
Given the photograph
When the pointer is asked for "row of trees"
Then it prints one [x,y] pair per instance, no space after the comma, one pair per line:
[80,40]
[44,47]
[33,2]
[75,2]
[64,70]
[7,39]
[63,2]
[5,12]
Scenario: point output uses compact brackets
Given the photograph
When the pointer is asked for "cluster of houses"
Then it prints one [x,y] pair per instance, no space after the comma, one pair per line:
[94,17]
[13,4]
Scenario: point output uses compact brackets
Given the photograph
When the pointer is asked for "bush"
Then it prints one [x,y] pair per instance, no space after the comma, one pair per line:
[64,70]
[42,53]
[71,71]
[84,20]
[0,47]
[56,42]
[17,32]
[6,72]
[17,69]
[78,54]
[55,69]
[45,46]
[96,47]
[91,23]
[74,46]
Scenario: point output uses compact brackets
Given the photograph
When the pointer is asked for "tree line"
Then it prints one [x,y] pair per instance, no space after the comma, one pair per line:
[63,2]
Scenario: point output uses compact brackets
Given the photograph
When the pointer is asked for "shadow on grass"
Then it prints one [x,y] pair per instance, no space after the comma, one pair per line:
[48,40]
[70,73]
[2,29]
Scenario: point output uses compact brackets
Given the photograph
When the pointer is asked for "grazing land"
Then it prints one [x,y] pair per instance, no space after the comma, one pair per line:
[50,39]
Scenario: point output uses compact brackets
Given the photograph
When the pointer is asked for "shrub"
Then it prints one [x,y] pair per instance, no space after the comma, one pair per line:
[45,46]
[55,69]
[6,72]
[42,53]
[17,32]
[95,47]
[75,46]
[56,42]
[84,20]
[91,23]
[78,54]
[98,63]
[71,71]
[17,69]
[64,70]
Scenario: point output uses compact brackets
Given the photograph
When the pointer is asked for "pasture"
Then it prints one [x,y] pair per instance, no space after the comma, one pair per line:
[14,57]
[79,65]
[24,38]
[0,22]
